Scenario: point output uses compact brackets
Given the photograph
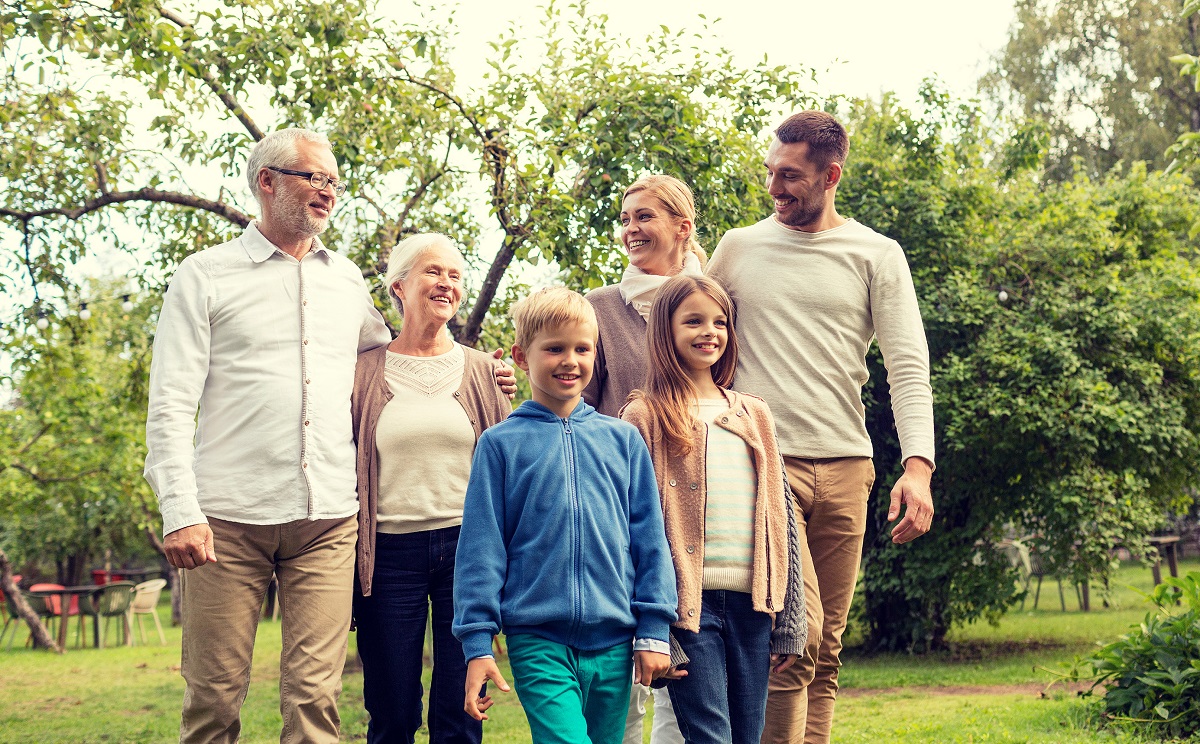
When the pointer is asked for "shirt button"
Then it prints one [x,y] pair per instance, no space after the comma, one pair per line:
[304,464]
[691,548]
[305,302]
[672,482]
[306,423]
[307,381]
[306,342]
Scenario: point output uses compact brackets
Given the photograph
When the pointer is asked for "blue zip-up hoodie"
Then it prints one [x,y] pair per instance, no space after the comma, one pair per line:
[562,535]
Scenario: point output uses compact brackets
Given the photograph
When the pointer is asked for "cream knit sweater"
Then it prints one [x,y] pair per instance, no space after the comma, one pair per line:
[808,306]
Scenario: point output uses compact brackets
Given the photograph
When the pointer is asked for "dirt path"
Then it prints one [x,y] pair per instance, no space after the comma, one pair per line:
[1032,689]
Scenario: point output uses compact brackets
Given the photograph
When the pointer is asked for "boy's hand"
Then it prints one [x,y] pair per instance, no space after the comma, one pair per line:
[780,662]
[479,671]
[649,666]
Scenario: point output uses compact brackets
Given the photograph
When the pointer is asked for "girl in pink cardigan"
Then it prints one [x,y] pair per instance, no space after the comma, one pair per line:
[727,514]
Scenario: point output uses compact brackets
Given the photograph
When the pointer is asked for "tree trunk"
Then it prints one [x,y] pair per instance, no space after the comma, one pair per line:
[171,574]
[41,635]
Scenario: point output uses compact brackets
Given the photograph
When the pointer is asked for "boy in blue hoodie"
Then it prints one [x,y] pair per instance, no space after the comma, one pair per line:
[562,543]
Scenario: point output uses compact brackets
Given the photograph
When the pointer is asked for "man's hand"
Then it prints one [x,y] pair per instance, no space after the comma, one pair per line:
[650,665]
[506,378]
[190,546]
[780,662]
[912,488]
[480,671]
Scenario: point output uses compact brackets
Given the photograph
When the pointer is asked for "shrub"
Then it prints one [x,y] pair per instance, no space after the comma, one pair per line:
[1151,675]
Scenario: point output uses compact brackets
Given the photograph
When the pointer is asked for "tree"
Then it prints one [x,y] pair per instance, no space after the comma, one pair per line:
[71,453]
[1186,148]
[1095,73]
[1064,329]
[547,150]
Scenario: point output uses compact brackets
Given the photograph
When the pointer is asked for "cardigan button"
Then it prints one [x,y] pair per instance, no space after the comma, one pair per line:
[691,613]
[724,419]
[739,413]
[672,482]
[691,548]
[693,486]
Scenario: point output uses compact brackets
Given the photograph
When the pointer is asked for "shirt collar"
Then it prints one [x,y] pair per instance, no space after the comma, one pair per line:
[259,249]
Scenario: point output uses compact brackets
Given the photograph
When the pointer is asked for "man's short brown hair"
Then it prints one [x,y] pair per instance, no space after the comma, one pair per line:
[825,136]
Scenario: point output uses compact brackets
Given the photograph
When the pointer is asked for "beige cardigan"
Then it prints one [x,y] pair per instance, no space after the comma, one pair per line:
[479,396]
[777,585]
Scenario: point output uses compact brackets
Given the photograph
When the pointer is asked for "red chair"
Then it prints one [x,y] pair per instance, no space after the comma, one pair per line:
[55,602]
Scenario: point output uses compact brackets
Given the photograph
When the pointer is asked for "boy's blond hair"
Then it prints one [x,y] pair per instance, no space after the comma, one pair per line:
[550,308]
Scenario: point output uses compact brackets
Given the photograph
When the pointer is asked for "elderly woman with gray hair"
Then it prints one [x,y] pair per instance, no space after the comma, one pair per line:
[419,405]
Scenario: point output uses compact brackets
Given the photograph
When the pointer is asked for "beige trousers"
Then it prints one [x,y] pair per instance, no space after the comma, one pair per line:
[832,517]
[314,563]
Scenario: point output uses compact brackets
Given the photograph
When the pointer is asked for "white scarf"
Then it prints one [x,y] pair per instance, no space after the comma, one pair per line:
[639,288]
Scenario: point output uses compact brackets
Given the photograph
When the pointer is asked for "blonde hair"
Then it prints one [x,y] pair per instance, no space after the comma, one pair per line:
[669,392]
[405,256]
[677,199]
[548,308]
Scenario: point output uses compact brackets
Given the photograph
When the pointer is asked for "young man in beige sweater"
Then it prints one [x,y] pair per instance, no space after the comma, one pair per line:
[812,290]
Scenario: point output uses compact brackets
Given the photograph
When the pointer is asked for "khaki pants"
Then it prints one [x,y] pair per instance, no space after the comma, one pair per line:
[832,496]
[314,563]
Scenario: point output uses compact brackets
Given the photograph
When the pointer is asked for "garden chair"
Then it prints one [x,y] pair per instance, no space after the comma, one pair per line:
[1039,570]
[145,602]
[40,606]
[112,601]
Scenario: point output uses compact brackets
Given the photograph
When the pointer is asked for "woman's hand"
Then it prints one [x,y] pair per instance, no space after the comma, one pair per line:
[506,378]
[480,671]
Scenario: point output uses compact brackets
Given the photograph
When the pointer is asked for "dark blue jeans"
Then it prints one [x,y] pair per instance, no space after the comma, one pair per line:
[413,572]
[724,697]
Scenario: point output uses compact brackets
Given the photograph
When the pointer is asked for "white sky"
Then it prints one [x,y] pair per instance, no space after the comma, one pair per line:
[859,48]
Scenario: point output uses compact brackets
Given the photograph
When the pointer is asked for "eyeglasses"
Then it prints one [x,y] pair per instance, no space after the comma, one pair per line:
[317,180]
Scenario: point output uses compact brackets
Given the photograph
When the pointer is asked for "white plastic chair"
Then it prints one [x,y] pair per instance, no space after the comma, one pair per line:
[145,602]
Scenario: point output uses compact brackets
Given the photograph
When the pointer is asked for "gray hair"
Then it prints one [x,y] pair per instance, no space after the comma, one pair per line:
[405,256]
[278,149]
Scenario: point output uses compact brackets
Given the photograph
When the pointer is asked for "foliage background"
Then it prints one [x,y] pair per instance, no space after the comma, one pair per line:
[1066,411]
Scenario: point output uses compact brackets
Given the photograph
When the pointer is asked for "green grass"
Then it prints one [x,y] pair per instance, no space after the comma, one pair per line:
[984,690]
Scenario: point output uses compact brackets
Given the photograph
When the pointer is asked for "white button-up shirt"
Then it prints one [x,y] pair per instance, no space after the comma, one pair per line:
[265,346]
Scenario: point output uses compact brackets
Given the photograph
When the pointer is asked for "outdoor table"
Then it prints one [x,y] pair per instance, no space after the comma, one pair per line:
[1166,544]
[136,575]
[64,607]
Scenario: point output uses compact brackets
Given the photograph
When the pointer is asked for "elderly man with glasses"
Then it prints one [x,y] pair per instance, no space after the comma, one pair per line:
[261,335]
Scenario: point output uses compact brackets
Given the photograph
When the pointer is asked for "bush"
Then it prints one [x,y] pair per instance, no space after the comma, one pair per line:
[1151,676]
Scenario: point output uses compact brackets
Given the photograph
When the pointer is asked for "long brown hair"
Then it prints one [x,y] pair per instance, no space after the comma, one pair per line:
[669,392]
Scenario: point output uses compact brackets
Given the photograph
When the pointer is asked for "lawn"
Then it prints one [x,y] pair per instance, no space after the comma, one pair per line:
[987,689]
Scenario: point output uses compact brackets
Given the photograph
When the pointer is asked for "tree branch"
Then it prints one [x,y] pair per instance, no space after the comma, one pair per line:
[43,479]
[210,80]
[146,194]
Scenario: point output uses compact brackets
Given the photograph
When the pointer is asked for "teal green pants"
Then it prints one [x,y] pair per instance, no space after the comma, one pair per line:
[572,696]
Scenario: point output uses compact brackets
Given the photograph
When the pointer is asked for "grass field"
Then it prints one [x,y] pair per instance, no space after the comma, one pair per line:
[987,689]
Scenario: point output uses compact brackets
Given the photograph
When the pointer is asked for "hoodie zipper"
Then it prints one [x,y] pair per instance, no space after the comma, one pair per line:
[576,529]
